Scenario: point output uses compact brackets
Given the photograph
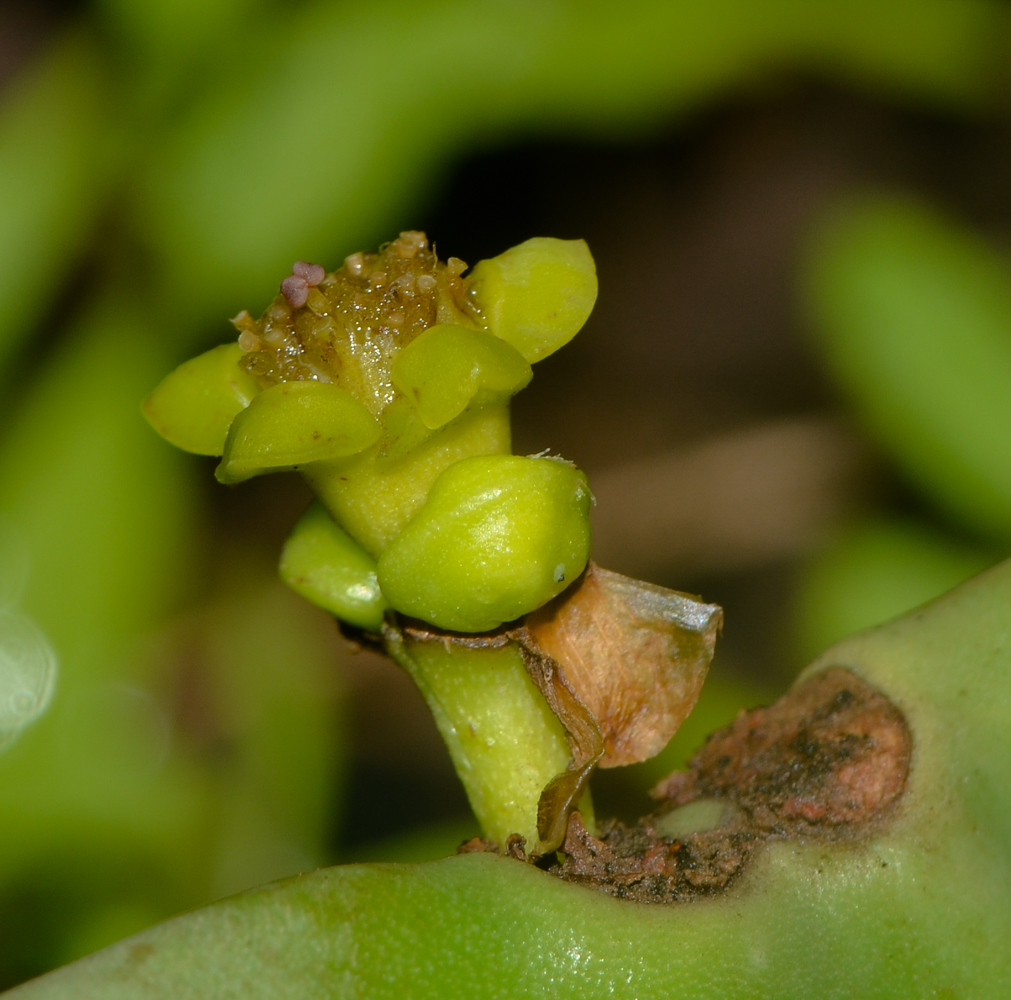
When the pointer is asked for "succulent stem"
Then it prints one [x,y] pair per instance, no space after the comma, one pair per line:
[504,740]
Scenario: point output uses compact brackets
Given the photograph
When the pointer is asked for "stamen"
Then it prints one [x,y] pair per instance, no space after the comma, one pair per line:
[295,290]
[249,341]
[355,264]
[312,273]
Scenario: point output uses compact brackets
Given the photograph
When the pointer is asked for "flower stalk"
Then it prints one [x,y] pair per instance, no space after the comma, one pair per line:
[505,742]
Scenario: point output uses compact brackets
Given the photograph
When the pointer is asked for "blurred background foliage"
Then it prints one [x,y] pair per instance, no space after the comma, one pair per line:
[794,397]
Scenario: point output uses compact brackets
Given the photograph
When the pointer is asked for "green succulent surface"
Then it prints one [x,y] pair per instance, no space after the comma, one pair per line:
[917,909]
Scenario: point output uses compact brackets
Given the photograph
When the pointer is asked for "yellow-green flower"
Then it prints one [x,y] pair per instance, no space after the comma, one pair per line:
[386,383]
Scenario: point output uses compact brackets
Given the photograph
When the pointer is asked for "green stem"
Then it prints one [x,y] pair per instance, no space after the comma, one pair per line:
[505,742]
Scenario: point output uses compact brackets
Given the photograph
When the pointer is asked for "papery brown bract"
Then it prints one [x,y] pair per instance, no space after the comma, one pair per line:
[635,654]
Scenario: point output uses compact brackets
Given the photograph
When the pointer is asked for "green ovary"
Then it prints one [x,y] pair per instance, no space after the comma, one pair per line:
[374,495]
[497,538]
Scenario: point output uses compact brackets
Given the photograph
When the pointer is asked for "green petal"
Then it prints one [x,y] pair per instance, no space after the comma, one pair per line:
[444,368]
[294,423]
[194,406]
[324,564]
[537,295]
[497,537]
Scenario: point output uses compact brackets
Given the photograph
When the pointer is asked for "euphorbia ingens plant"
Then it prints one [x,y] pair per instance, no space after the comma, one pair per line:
[850,840]
[386,384]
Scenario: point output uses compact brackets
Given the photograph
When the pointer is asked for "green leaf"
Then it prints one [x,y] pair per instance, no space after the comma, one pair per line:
[876,571]
[27,674]
[173,31]
[228,203]
[919,909]
[118,810]
[58,151]
[97,815]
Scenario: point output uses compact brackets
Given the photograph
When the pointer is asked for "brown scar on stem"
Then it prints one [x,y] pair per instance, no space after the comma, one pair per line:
[828,762]
[516,847]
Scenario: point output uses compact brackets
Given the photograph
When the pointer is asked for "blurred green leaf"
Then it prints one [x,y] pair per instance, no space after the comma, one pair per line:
[877,571]
[58,152]
[104,782]
[27,674]
[268,721]
[338,116]
[105,512]
[174,31]
[914,313]
[921,908]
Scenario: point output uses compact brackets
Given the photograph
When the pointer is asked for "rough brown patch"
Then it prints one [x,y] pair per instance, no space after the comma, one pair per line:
[635,863]
[830,756]
[828,761]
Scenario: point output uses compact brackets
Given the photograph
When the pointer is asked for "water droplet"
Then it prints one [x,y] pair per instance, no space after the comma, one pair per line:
[27,674]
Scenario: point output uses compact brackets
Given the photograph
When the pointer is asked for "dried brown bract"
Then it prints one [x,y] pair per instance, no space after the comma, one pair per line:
[636,863]
[635,654]
[620,662]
